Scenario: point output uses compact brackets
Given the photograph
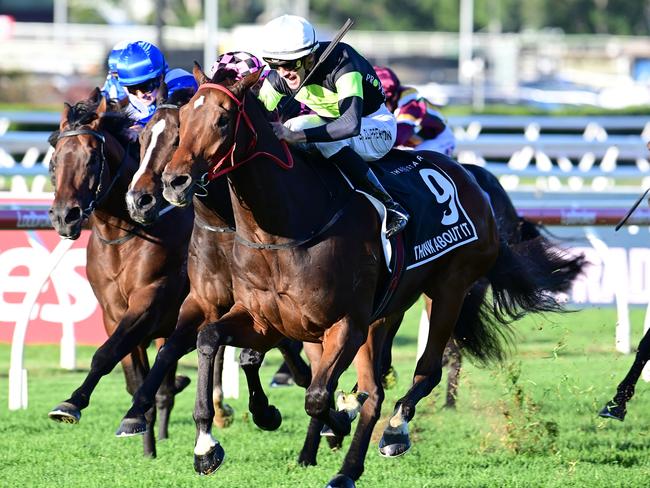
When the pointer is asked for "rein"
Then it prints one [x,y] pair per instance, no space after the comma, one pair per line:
[216,170]
[294,243]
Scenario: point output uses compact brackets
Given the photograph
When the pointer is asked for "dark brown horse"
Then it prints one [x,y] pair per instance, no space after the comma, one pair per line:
[209,270]
[616,408]
[137,274]
[308,264]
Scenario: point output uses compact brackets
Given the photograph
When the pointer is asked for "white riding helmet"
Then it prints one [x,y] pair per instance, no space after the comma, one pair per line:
[288,37]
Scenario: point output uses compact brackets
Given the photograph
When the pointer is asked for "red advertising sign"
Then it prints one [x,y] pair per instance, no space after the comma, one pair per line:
[66,296]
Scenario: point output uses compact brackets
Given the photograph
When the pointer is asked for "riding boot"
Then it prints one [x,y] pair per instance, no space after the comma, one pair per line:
[362,177]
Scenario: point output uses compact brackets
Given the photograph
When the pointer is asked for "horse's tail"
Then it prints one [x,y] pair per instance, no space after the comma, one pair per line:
[524,279]
[550,258]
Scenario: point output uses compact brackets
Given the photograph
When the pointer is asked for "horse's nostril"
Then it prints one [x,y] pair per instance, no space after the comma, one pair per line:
[73,215]
[180,182]
[146,200]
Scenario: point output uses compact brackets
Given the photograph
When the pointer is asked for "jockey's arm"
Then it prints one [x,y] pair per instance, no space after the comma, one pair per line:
[347,125]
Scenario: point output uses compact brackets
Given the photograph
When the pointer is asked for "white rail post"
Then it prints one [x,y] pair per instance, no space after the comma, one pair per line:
[17,374]
[230,375]
[423,333]
[620,292]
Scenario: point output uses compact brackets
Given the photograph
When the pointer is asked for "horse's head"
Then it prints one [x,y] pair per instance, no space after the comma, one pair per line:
[211,129]
[158,141]
[76,165]
[79,168]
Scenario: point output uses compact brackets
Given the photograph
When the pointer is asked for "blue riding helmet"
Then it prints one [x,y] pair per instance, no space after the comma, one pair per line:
[178,79]
[140,61]
[114,55]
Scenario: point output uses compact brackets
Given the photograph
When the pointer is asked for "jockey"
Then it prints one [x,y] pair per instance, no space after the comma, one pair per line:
[179,79]
[112,89]
[351,124]
[419,123]
[141,68]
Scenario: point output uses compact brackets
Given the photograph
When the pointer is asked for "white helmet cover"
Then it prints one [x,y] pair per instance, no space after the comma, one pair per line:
[288,37]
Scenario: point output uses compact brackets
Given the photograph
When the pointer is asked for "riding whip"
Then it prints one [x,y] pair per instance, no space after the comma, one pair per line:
[631,211]
[333,43]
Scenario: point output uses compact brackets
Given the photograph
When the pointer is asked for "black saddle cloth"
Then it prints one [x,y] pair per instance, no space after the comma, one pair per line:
[438,221]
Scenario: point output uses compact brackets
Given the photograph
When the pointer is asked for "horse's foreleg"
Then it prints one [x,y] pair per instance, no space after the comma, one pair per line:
[136,367]
[223,413]
[235,328]
[300,370]
[340,345]
[181,342]
[265,416]
[309,451]
[428,372]
[134,327]
[616,408]
[368,365]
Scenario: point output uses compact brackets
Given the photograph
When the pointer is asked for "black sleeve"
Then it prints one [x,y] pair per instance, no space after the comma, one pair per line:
[345,126]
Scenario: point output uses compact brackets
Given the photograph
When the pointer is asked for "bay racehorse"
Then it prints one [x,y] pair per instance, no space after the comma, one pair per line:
[138,274]
[309,264]
[209,271]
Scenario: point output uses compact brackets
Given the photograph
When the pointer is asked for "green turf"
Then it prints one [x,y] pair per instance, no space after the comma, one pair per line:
[529,423]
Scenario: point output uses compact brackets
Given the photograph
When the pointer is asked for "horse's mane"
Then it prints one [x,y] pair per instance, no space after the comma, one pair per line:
[115,121]
[225,77]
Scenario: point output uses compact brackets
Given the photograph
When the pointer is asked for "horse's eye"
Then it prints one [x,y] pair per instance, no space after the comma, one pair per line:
[223,121]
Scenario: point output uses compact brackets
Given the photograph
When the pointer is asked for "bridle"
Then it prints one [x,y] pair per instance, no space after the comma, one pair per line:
[98,192]
[217,169]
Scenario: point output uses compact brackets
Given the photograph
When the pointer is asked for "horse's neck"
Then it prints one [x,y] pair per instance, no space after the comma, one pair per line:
[214,209]
[279,202]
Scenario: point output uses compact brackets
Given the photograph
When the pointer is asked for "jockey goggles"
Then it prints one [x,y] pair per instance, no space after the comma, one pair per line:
[144,87]
[288,65]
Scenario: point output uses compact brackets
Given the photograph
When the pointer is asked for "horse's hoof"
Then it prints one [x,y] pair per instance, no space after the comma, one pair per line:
[131,426]
[394,445]
[66,413]
[224,416]
[327,431]
[613,411]
[335,442]
[282,379]
[180,383]
[211,461]
[304,460]
[269,419]
[341,481]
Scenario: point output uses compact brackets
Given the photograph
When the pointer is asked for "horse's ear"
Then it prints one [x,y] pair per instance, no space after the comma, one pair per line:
[162,94]
[239,88]
[95,94]
[64,115]
[199,75]
[103,106]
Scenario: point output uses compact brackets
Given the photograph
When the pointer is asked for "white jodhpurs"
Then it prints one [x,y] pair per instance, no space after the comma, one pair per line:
[376,138]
